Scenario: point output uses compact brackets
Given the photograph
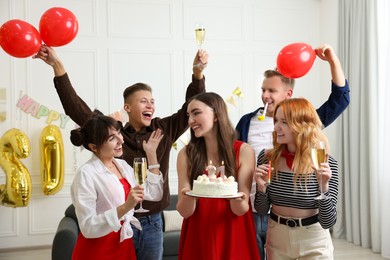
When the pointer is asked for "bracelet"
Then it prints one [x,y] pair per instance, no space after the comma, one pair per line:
[154,166]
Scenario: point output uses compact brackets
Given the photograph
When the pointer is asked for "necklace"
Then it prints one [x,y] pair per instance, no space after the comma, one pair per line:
[114,169]
[112,166]
[212,162]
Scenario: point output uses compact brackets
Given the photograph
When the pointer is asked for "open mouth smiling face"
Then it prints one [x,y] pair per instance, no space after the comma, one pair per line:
[140,109]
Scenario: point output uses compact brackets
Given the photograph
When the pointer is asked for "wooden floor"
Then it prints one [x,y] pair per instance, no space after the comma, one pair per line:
[343,251]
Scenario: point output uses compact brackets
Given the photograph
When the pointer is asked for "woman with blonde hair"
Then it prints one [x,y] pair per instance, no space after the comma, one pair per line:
[289,183]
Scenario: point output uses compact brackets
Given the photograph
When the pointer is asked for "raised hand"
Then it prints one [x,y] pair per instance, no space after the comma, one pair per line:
[150,148]
[49,56]
[151,145]
[325,52]
[200,63]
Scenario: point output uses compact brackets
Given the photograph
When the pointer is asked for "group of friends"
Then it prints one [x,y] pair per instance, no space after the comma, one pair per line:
[277,219]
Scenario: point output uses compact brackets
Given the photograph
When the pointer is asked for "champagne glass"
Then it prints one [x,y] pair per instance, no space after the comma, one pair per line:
[199,35]
[318,156]
[140,165]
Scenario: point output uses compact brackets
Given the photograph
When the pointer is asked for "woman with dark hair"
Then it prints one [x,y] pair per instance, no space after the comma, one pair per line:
[299,222]
[104,191]
[215,228]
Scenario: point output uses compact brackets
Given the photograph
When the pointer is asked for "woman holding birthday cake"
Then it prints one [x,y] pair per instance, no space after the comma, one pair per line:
[215,227]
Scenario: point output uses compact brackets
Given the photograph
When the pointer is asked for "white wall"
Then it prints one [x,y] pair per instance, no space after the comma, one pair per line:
[121,42]
[329,34]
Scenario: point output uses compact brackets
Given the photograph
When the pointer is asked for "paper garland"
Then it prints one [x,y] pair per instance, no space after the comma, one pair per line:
[30,106]
[236,92]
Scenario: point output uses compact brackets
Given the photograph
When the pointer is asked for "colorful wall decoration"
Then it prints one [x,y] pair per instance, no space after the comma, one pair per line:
[37,110]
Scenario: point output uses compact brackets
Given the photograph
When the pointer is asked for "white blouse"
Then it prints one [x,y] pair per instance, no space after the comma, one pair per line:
[96,193]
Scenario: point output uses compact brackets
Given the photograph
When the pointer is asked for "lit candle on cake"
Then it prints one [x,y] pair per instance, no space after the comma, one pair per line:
[222,170]
[211,169]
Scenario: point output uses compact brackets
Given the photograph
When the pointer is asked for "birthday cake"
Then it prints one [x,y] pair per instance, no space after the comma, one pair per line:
[210,185]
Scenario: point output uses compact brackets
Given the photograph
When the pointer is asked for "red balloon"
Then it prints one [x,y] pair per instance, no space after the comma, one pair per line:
[19,38]
[295,60]
[58,26]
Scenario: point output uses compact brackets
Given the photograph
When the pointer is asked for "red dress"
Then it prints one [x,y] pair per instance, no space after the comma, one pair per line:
[107,247]
[214,232]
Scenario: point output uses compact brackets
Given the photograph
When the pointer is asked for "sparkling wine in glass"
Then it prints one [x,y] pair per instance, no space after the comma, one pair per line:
[140,166]
[318,156]
[199,35]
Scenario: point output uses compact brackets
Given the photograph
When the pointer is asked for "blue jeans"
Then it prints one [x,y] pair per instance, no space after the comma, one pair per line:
[148,242]
[261,224]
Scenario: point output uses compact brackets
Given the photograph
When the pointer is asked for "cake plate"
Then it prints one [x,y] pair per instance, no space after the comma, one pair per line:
[237,195]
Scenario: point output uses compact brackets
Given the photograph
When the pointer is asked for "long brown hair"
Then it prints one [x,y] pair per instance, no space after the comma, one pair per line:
[302,118]
[226,135]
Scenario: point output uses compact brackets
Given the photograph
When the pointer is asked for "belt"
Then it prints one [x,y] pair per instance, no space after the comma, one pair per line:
[149,218]
[292,222]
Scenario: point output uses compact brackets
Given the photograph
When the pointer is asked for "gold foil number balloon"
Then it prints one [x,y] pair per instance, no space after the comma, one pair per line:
[52,160]
[16,192]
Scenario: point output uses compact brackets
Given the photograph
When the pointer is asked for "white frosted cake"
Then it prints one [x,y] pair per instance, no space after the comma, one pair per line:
[213,186]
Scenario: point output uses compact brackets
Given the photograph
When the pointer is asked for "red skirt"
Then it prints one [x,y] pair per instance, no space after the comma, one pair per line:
[213,232]
[104,248]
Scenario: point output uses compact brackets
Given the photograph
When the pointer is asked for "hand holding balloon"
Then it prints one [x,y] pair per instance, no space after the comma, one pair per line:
[48,55]
[326,53]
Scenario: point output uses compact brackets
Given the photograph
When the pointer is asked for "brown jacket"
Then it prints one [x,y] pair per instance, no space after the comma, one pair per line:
[172,127]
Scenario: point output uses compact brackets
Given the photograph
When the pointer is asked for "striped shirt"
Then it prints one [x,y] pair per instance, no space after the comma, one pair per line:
[282,192]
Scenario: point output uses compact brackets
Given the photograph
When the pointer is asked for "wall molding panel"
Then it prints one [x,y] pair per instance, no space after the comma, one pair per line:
[122,42]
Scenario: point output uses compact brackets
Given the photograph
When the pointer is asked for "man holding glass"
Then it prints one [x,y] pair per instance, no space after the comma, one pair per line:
[139,105]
